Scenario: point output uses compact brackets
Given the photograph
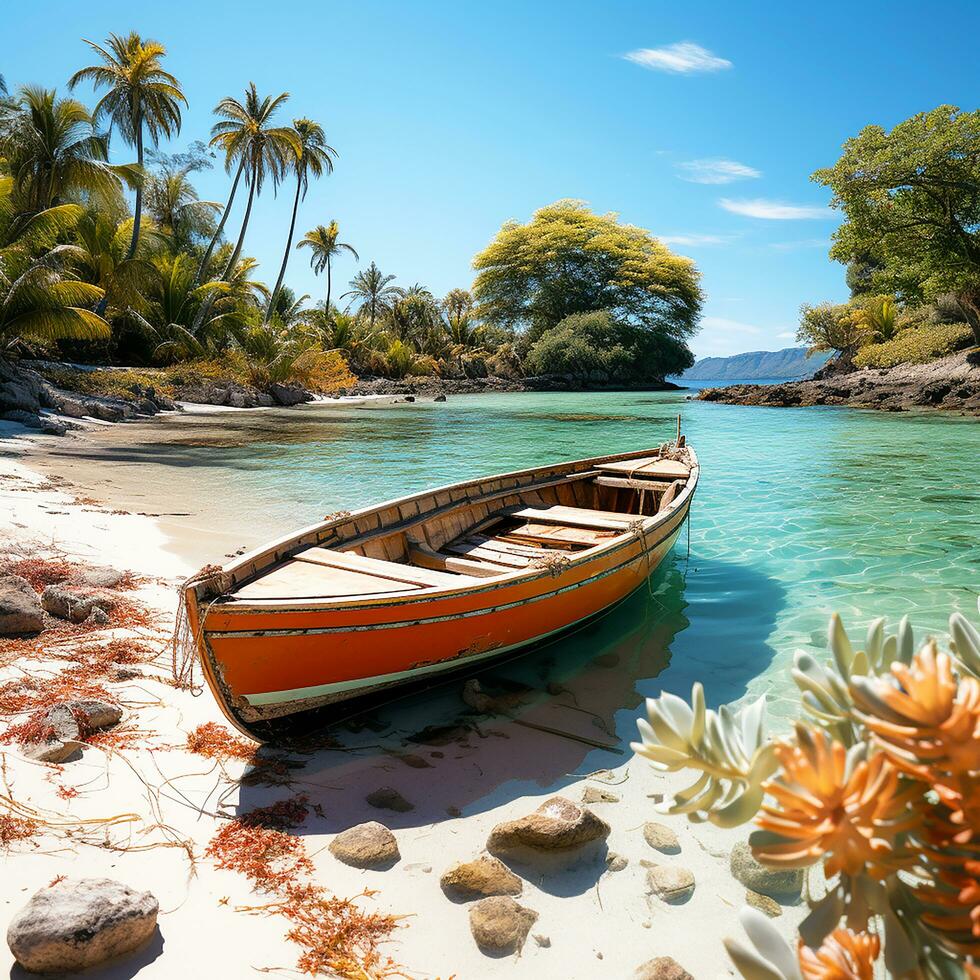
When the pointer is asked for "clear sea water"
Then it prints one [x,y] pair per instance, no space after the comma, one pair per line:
[799,512]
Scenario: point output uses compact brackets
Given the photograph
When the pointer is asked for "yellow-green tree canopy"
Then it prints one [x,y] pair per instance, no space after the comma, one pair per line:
[569,260]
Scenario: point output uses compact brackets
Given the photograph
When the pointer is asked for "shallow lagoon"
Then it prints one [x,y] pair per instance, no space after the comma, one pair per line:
[800,512]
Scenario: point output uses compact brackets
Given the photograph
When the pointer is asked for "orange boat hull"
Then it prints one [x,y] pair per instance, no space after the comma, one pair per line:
[264,662]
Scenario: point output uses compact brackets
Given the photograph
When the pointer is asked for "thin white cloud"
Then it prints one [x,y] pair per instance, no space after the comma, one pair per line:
[716,171]
[693,240]
[773,210]
[683,58]
[786,335]
[729,326]
[802,243]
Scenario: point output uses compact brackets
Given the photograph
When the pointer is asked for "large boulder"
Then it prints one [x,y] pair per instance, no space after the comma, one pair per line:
[77,924]
[786,884]
[368,845]
[20,608]
[482,878]
[74,605]
[557,825]
[499,925]
[289,394]
[18,395]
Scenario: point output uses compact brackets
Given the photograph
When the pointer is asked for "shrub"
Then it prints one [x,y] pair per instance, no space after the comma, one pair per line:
[916,345]
[879,786]
[110,384]
[595,347]
[324,372]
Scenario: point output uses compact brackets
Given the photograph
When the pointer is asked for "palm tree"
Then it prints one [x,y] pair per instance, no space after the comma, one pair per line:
[52,150]
[41,298]
[323,244]
[371,290]
[313,157]
[260,150]
[172,201]
[141,96]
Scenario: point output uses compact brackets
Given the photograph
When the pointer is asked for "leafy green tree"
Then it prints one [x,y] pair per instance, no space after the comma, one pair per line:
[911,198]
[568,260]
[53,153]
[141,97]
[596,347]
[830,327]
[324,246]
[313,157]
[373,293]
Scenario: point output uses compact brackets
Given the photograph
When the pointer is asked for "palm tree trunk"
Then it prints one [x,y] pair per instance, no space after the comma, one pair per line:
[233,261]
[289,245]
[221,223]
[138,209]
[326,305]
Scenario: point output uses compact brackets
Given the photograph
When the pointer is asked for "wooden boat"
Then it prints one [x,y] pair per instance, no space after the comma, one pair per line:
[440,581]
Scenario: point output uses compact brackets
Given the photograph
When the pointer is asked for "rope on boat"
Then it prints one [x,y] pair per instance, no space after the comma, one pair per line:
[555,563]
[184,644]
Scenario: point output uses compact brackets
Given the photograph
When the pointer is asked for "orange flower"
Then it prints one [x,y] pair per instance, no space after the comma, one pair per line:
[844,955]
[853,812]
[930,728]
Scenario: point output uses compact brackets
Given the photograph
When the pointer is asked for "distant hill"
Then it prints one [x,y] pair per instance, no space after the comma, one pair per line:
[791,362]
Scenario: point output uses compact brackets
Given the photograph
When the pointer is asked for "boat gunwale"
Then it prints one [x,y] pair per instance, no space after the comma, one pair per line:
[230,604]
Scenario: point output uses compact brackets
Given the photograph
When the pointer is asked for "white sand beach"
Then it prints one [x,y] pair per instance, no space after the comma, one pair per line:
[462,781]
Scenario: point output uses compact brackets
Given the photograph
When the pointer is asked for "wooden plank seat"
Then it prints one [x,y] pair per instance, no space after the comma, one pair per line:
[298,579]
[478,551]
[648,467]
[391,570]
[424,556]
[556,534]
[573,517]
[625,483]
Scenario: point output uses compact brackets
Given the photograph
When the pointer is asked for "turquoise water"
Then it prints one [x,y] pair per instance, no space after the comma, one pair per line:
[799,512]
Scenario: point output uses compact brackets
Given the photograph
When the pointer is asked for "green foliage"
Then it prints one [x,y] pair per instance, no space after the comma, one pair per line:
[595,347]
[916,345]
[911,205]
[116,383]
[568,260]
[829,326]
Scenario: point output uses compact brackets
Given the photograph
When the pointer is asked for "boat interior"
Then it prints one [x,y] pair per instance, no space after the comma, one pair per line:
[486,536]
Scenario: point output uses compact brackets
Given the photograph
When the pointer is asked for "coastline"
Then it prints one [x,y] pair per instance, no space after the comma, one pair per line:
[950,384]
[484,768]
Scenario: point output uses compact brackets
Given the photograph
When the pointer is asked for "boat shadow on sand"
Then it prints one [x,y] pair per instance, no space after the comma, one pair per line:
[554,707]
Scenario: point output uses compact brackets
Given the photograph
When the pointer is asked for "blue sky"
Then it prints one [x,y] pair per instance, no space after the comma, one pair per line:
[452,117]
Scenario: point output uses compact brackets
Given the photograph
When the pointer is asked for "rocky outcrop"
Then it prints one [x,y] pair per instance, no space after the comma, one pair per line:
[745,869]
[482,878]
[20,608]
[77,924]
[368,845]
[500,925]
[952,384]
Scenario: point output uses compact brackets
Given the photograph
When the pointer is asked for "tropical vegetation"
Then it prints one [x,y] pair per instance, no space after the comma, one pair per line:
[878,787]
[910,239]
[125,264]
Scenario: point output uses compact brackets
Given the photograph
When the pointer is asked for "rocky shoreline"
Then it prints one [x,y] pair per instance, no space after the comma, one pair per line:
[949,384]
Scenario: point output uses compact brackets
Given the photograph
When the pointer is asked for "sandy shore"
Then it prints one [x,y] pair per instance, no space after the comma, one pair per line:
[441,756]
